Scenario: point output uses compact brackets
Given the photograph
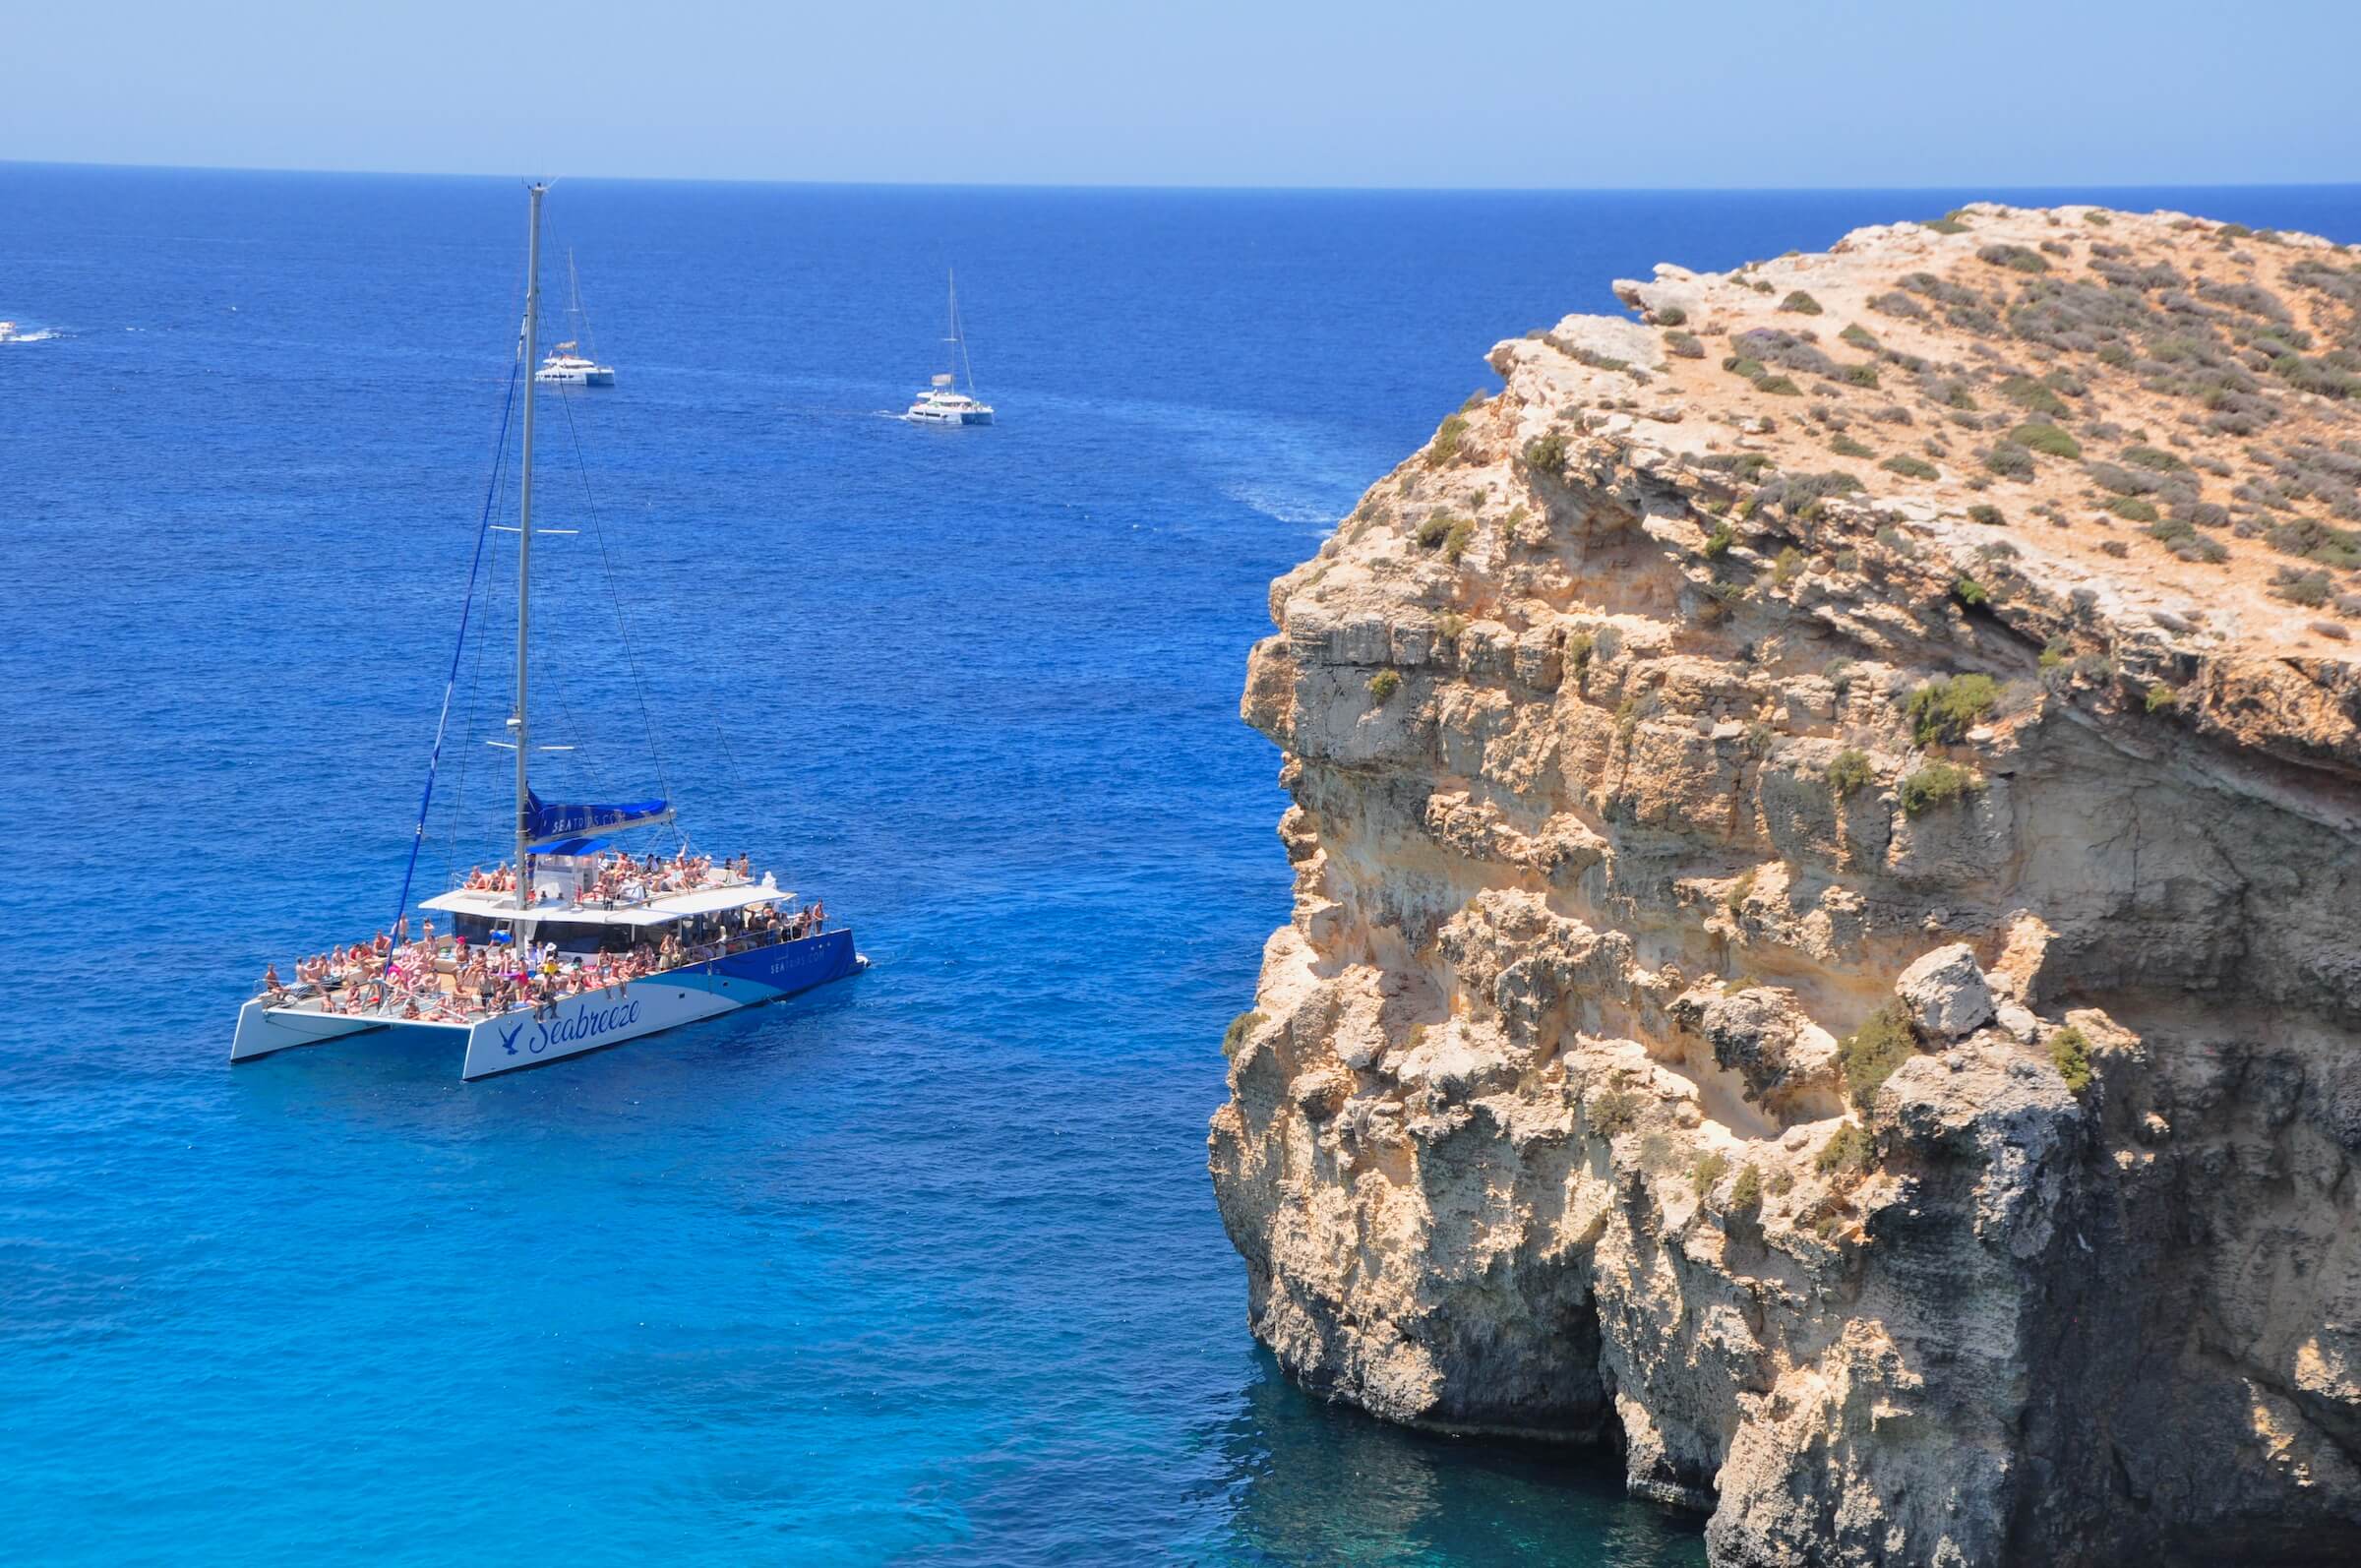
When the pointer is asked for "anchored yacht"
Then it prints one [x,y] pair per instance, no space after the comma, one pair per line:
[565,368]
[943,403]
[568,365]
[574,945]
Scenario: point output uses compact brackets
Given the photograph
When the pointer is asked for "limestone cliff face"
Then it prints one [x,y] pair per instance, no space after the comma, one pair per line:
[1827,947]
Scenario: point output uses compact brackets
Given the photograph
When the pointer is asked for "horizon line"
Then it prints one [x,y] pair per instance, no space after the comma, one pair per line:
[1305,189]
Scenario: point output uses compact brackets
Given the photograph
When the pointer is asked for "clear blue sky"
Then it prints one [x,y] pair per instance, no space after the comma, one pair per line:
[1500,92]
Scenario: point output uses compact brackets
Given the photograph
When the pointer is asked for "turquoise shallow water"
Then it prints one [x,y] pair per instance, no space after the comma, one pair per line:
[923,1268]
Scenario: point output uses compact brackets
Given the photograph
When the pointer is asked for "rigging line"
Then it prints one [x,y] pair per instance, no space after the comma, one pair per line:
[473,708]
[965,361]
[588,741]
[483,531]
[737,779]
[598,529]
[457,809]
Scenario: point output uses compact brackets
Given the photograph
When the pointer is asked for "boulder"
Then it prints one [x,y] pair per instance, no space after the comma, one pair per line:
[1946,994]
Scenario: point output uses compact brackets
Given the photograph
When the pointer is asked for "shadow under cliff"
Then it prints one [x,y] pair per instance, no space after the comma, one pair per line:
[1309,1481]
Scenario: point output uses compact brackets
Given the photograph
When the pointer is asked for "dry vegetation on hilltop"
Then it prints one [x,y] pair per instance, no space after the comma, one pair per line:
[2160,397]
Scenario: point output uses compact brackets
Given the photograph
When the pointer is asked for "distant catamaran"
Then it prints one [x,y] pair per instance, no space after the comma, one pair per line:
[941,404]
[570,948]
[565,367]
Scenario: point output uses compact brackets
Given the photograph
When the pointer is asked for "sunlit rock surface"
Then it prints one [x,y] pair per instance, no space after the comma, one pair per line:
[1939,642]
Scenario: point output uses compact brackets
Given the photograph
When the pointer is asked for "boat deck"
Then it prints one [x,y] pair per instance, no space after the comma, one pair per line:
[450,1011]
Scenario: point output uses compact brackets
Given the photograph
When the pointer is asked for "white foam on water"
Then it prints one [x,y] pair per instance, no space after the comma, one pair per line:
[1297,510]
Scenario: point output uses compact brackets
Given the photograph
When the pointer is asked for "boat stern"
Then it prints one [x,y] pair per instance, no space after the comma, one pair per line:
[263,1029]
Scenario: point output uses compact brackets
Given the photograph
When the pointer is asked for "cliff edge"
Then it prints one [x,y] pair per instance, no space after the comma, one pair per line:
[1827,947]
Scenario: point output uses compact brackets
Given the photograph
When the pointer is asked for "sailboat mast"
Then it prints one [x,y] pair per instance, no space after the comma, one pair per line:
[579,325]
[525,542]
[958,341]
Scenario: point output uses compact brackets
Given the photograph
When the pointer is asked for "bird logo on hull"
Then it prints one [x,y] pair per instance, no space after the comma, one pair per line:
[586,1025]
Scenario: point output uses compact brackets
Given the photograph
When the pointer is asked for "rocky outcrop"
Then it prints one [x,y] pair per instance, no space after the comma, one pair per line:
[1824,951]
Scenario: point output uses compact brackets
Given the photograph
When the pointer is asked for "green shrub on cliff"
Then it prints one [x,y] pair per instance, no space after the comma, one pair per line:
[1245,1024]
[1614,1112]
[2048,438]
[1718,543]
[1708,1169]
[1746,1192]
[1935,784]
[2011,459]
[2070,1053]
[1849,770]
[1431,532]
[1546,454]
[1456,540]
[1847,1152]
[1948,708]
[2015,257]
[1447,438]
[2031,396]
[1871,1052]
[1385,684]
[1911,467]
[1801,303]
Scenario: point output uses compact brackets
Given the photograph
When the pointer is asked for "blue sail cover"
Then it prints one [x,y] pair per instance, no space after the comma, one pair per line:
[574,846]
[549,822]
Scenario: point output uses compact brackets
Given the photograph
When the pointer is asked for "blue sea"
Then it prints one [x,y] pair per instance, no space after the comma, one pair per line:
[921,1268]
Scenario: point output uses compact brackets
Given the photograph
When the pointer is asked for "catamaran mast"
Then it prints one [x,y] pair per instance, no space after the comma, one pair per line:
[958,343]
[524,544]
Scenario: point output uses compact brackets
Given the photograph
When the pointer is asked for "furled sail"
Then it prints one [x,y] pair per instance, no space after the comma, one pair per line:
[550,822]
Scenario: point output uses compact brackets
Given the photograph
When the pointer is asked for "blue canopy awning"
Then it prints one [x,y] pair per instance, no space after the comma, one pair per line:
[549,824]
[574,846]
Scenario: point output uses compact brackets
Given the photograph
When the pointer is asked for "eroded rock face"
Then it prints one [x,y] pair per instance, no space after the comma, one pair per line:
[1672,784]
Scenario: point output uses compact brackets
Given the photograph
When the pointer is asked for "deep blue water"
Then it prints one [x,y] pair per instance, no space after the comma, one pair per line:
[922,1268]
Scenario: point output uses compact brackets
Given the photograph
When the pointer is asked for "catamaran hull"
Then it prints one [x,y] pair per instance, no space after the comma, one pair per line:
[598,1019]
[592,1021]
[263,1030]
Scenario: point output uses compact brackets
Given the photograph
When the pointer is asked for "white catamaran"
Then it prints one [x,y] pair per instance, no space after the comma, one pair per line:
[572,946]
[574,362]
[943,403]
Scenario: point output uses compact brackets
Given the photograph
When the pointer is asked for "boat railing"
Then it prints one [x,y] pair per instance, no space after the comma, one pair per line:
[397,995]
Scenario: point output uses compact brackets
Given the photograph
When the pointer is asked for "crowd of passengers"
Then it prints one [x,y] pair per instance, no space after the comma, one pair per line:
[453,980]
[630,879]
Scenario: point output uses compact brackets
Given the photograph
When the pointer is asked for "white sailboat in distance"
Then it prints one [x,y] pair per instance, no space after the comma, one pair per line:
[566,365]
[943,403]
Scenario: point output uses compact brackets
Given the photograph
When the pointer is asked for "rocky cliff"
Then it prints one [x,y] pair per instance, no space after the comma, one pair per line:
[1827,947]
